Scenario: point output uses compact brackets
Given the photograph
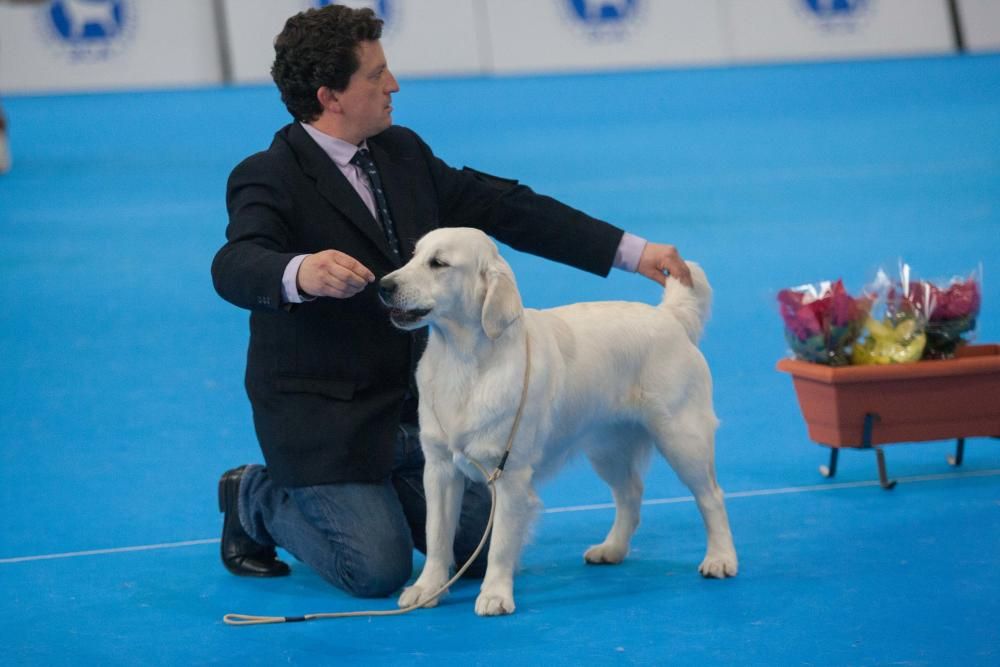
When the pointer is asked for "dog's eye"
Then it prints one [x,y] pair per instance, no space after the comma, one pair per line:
[436,263]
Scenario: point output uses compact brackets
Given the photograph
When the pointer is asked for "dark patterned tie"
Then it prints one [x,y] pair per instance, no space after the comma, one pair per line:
[363,160]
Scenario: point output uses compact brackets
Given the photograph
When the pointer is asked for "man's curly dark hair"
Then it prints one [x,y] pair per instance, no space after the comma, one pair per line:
[317,48]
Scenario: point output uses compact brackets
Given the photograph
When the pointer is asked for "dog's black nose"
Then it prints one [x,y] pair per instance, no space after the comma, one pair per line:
[386,288]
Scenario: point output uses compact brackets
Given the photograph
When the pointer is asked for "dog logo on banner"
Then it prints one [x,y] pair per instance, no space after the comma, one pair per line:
[836,14]
[387,10]
[604,19]
[90,30]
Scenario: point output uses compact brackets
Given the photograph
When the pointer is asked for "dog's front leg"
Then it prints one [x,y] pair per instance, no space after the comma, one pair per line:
[517,505]
[443,487]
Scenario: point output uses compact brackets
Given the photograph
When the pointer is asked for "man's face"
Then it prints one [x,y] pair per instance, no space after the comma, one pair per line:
[367,100]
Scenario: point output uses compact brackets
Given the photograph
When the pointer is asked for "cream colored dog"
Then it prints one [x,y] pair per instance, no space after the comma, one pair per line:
[607,379]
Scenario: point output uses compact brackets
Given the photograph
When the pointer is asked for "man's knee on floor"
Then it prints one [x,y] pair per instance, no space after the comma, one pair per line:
[376,577]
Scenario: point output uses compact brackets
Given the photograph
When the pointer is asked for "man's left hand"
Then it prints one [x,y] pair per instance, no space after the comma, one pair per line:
[658,258]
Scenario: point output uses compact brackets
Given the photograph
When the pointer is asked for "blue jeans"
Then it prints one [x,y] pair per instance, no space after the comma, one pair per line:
[360,536]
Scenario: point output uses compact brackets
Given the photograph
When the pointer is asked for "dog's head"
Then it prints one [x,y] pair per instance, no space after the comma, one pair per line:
[455,278]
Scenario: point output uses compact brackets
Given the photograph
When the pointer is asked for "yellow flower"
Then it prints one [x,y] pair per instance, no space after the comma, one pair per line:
[889,343]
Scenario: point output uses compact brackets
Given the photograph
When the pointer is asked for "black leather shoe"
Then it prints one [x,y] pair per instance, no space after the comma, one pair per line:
[240,554]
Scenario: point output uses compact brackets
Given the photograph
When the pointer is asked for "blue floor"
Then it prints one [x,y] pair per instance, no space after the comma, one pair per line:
[121,373]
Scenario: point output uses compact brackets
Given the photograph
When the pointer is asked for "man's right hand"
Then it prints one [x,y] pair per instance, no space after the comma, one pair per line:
[334,274]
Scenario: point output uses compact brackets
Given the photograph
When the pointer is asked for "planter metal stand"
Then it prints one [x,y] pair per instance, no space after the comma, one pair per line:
[862,407]
[866,443]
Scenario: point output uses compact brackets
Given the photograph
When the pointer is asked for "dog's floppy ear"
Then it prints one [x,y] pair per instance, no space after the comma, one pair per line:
[502,304]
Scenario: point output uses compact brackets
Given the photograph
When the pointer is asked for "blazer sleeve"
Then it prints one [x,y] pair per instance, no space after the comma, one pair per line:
[523,219]
[248,269]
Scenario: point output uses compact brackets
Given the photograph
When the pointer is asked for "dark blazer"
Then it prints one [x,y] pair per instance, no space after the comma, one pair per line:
[330,380]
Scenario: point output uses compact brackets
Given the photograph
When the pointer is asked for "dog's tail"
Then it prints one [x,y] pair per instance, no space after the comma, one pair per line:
[690,305]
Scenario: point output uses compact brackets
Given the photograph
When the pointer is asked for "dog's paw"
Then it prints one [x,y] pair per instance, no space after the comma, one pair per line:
[420,595]
[719,566]
[494,604]
[605,554]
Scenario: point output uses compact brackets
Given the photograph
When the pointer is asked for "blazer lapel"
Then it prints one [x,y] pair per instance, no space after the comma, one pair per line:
[332,185]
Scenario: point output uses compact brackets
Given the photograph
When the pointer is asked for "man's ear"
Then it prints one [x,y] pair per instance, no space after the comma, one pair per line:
[502,304]
[328,98]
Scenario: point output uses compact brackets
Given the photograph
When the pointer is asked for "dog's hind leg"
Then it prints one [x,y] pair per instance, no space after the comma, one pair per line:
[621,464]
[690,450]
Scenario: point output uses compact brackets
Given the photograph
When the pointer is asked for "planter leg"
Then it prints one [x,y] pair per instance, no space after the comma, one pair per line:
[956,460]
[883,478]
[830,470]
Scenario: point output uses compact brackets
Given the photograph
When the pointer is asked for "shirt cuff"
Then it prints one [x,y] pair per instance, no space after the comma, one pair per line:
[629,251]
[289,282]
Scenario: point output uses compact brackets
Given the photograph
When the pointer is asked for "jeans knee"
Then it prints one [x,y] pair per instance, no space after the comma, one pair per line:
[377,577]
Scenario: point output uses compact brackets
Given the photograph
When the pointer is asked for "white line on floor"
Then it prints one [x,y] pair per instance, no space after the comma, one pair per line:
[833,486]
[117,550]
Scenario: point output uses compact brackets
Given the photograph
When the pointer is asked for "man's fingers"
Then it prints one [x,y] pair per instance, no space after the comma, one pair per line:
[656,274]
[342,283]
[337,289]
[334,274]
[334,285]
[348,276]
[681,272]
[658,259]
[352,265]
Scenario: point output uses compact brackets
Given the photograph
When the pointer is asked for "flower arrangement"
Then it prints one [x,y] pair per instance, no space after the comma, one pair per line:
[822,323]
[893,321]
[951,313]
[895,327]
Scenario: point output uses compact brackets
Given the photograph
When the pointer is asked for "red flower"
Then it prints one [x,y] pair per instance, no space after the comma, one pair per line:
[802,318]
[806,315]
[843,308]
[958,300]
[821,327]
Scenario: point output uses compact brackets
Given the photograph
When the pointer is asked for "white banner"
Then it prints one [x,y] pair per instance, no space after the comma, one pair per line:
[766,30]
[420,37]
[112,44]
[562,35]
[107,44]
[980,24]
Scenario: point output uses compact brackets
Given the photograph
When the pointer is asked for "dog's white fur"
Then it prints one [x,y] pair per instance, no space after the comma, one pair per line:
[608,379]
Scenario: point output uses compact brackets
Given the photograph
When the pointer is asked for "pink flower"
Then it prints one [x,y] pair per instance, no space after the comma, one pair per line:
[803,318]
[958,300]
[806,315]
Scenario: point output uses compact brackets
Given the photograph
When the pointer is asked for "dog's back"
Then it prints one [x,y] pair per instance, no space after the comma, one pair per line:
[620,360]
[629,326]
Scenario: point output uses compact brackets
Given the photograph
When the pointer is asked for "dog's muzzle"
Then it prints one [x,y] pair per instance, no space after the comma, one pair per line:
[401,317]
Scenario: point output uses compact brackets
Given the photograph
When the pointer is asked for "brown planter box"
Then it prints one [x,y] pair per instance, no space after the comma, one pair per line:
[926,400]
